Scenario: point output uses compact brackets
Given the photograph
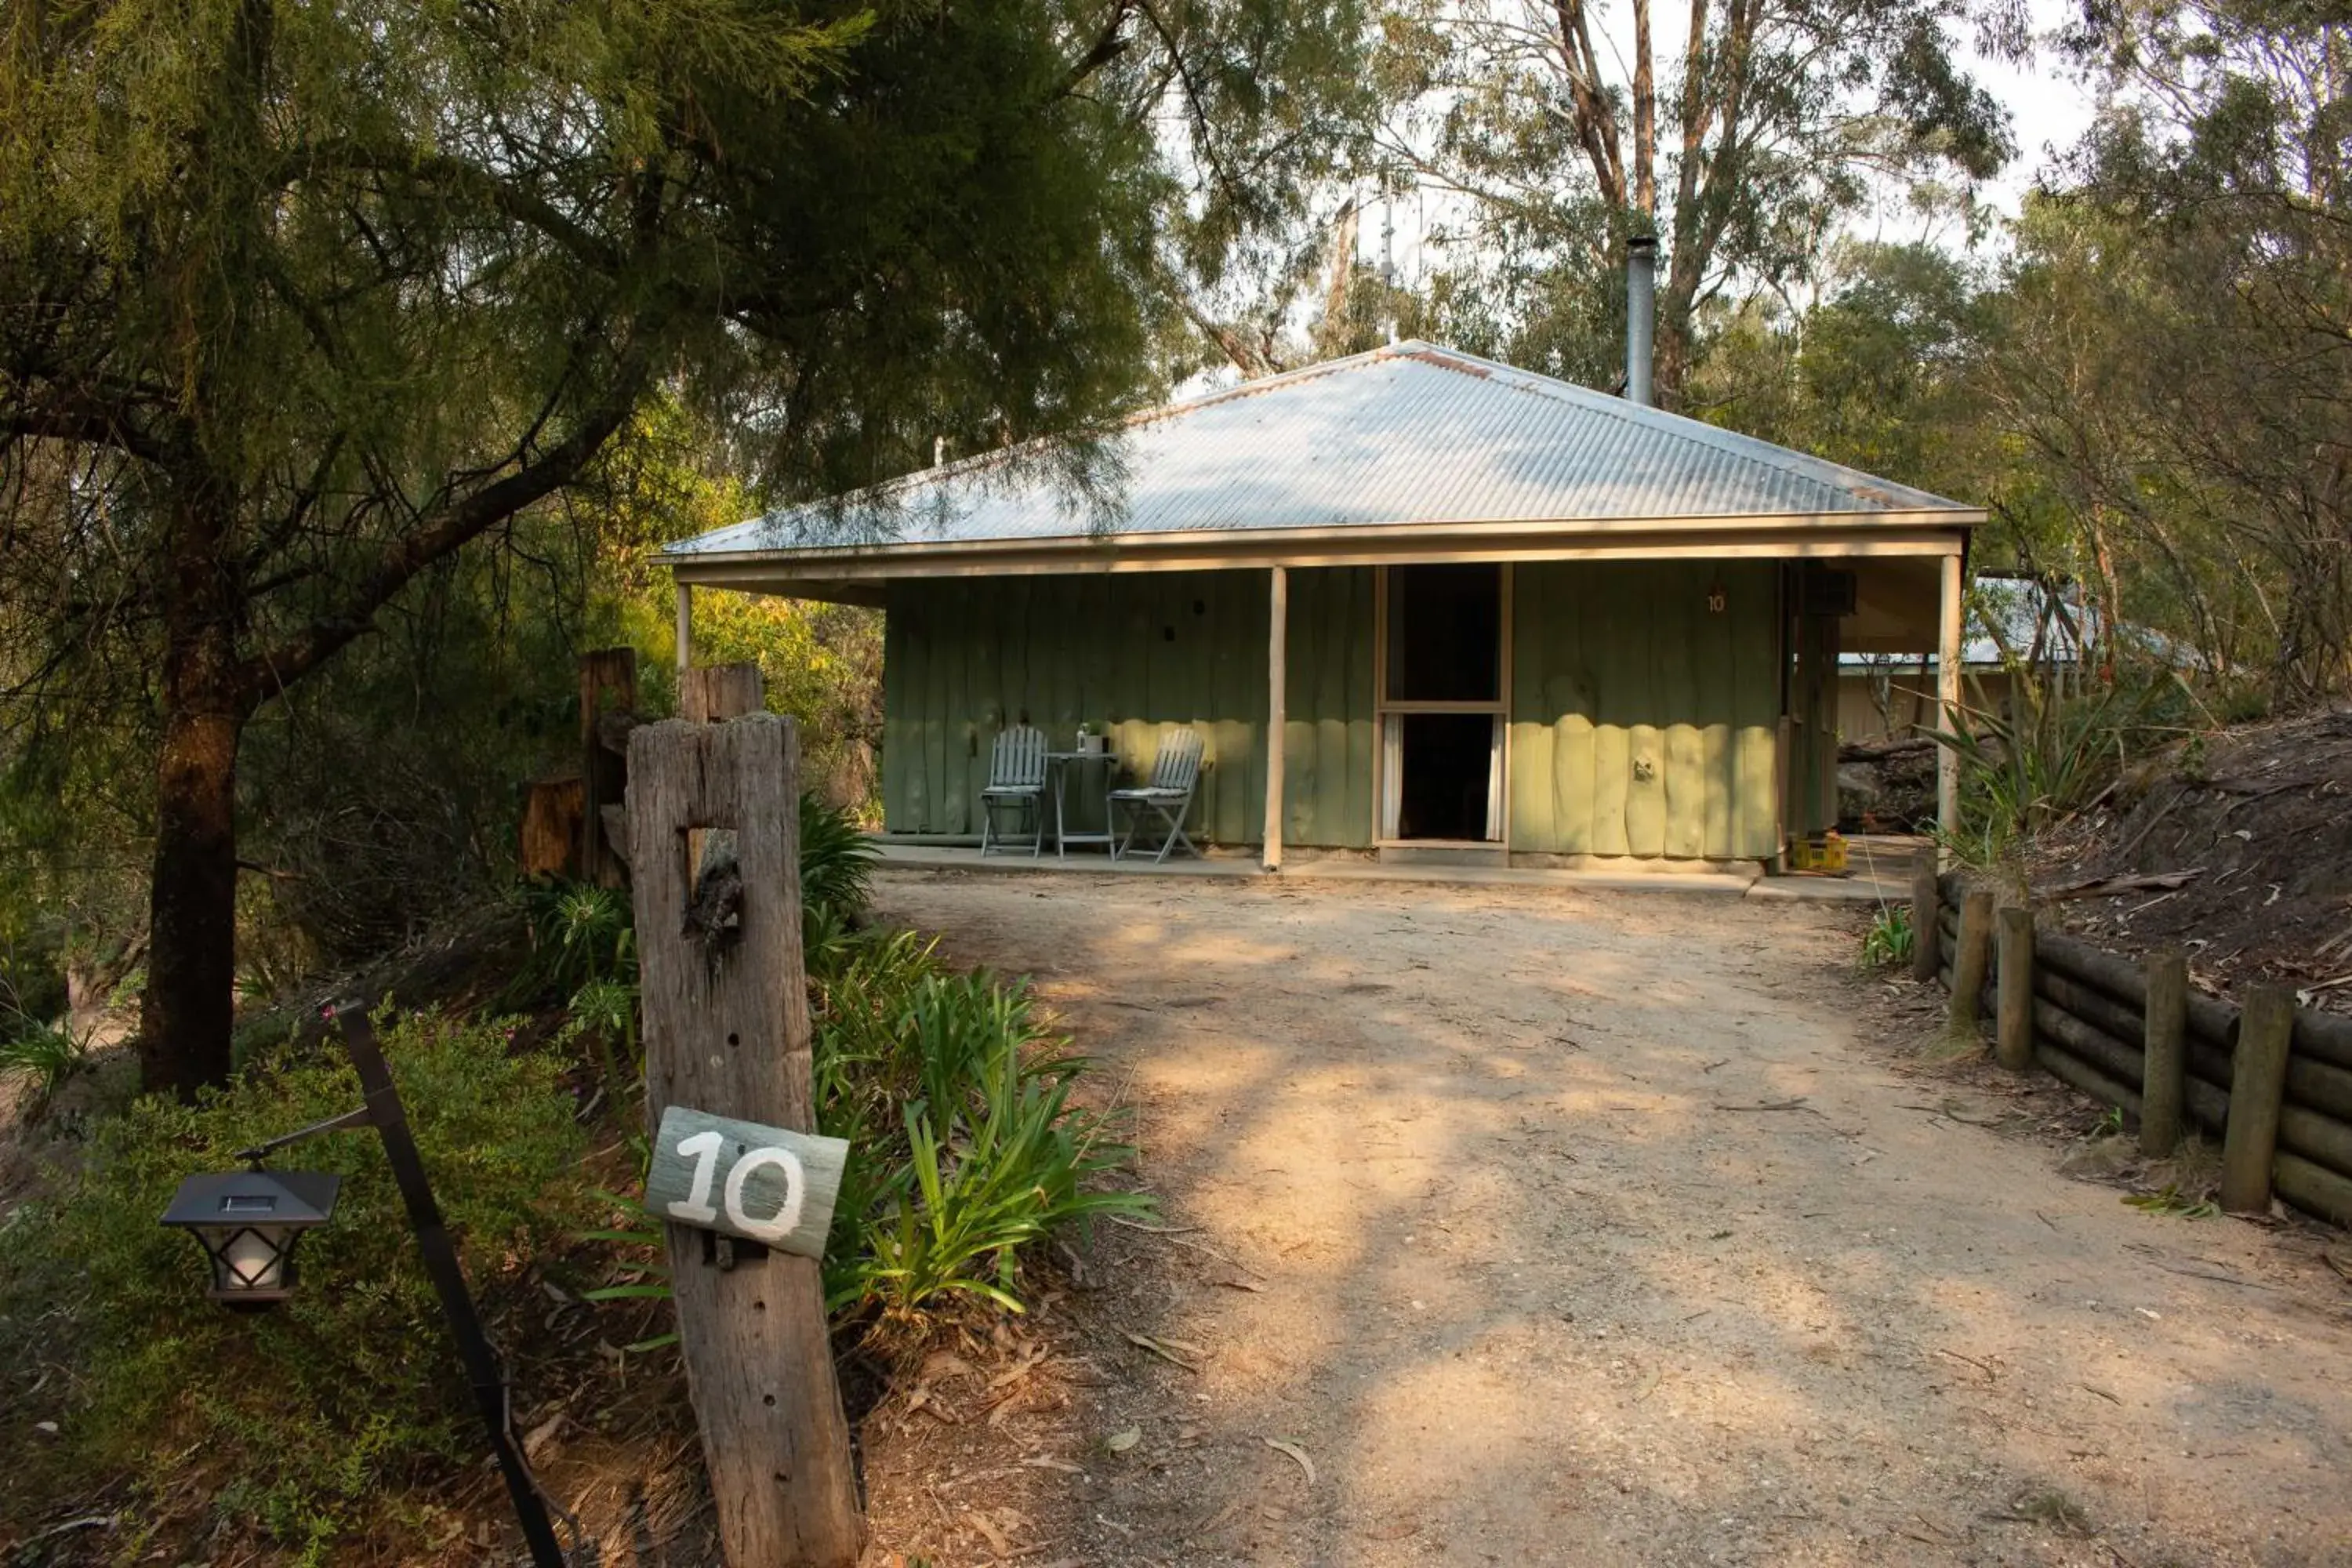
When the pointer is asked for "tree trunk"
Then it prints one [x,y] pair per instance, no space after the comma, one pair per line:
[188,1008]
[189,1005]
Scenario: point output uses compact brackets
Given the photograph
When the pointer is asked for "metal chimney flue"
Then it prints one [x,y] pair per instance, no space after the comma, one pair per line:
[1641,310]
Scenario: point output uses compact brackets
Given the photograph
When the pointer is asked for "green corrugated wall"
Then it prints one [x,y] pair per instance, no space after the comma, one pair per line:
[1642,721]
[1327,740]
[963,658]
[1614,664]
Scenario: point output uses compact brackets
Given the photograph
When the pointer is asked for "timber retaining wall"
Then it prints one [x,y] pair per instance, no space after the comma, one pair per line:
[2089,1012]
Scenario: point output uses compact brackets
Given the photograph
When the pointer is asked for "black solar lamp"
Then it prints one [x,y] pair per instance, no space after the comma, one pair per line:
[247,1223]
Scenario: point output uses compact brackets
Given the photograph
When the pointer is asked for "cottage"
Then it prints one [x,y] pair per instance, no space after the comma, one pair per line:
[1490,614]
[2046,632]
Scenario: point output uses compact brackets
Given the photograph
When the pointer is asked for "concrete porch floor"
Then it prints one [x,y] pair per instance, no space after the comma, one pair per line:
[1880,871]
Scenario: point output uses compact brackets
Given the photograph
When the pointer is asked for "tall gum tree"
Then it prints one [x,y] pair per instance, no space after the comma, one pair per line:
[1739,143]
[301,300]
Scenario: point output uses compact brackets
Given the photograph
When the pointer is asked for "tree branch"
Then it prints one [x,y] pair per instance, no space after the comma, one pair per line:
[448,527]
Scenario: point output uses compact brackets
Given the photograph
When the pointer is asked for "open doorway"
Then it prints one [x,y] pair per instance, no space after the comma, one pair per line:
[1442,712]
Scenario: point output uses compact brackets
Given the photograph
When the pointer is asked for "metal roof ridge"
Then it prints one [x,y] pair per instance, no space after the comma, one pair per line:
[1677,427]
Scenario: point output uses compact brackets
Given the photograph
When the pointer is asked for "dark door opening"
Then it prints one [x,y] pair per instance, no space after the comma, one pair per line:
[1441,690]
[1448,762]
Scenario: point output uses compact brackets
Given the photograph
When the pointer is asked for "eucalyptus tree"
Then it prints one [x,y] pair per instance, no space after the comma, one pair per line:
[1740,143]
[297,302]
[2180,339]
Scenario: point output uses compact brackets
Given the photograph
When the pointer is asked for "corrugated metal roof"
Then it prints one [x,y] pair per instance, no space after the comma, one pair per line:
[2042,622]
[1410,434]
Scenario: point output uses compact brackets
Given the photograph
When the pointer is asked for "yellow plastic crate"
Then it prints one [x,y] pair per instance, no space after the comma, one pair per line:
[1821,852]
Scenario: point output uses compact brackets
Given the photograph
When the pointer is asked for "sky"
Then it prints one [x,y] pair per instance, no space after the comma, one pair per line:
[2050,107]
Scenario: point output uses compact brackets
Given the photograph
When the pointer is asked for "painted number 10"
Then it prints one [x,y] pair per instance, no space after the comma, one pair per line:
[694,1207]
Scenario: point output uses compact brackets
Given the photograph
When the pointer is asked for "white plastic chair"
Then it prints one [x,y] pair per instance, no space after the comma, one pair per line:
[1175,772]
[1016,778]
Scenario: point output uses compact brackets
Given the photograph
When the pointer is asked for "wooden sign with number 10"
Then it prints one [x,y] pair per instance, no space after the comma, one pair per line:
[740,1179]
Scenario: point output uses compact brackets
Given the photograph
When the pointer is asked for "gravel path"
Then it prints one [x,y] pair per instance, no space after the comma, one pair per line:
[1599,1228]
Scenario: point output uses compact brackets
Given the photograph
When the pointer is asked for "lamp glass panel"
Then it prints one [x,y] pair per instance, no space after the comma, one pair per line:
[252,1257]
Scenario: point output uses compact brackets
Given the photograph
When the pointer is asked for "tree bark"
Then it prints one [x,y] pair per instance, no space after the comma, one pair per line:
[188,1008]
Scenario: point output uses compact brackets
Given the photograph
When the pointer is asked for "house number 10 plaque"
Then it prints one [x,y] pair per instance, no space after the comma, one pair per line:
[740,1179]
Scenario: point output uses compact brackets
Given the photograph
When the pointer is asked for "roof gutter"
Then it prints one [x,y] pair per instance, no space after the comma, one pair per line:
[836,573]
[1387,537]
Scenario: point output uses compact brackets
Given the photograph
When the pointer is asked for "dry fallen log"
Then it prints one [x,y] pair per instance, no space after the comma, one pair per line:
[2107,887]
[1885,751]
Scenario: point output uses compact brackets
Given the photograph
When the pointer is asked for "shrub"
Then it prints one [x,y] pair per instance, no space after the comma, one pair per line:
[2024,772]
[836,865]
[48,1054]
[580,934]
[297,1417]
[964,1146]
[1889,939]
[583,938]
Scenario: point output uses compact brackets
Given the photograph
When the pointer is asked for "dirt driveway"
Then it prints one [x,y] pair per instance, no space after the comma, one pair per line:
[1568,1228]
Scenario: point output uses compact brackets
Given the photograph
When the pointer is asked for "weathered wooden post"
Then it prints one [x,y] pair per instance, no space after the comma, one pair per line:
[2164,1053]
[1926,906]
[712,695]
[2014,1014]
[608,685]
[1972,956]
[2257,1084]
[713,692]
[726,1035]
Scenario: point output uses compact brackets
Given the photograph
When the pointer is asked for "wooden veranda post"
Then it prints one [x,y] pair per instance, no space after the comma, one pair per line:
[685,628]
[727,1033]
[1947,695]
[1278,637]
[2164,1044]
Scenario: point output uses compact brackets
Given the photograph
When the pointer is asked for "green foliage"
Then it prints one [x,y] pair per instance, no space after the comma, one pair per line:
[298,1417]
[580,935]
[1020,1170]
[605,1011]
[1776,131]
[820,663]
[836,862]
[2170,1200]
[48,1054]
[965,1148]
[313,307]
[1877,374]
[1890,938]
[964,1144]
[2028,769]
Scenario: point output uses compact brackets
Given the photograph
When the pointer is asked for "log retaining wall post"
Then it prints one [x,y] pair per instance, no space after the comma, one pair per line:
[1924,915]
[2013,1017]
[1971,958]
[2164,1044]
[2257,1081]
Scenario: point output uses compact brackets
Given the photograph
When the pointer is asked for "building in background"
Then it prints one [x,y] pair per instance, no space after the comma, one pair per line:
[1488,614]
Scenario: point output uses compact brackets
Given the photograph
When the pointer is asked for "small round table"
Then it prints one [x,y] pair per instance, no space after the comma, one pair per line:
[1060,766]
